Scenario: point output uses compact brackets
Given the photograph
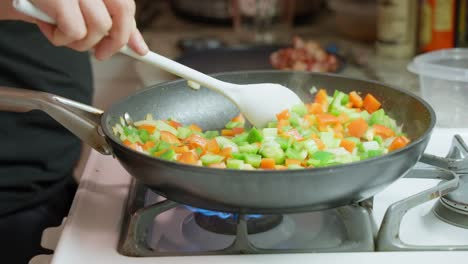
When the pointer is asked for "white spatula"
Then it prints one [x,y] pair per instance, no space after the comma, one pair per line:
[259,103]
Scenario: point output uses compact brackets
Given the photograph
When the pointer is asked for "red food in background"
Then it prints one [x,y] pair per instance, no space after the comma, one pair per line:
[304,56]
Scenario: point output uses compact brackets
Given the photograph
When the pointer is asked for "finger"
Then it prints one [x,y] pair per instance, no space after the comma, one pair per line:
[98,23]
[70,24]
[137,43]
[123,23]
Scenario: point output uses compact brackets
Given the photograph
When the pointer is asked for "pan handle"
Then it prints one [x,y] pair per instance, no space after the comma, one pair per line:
[82,120]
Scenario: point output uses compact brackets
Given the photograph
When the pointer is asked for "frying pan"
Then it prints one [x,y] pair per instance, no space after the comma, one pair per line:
[283,191]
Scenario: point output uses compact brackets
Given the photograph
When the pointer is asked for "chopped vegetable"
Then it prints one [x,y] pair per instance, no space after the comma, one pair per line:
[330,130]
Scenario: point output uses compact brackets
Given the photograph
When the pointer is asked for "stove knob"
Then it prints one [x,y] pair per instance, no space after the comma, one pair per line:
[41,259]
[51,236]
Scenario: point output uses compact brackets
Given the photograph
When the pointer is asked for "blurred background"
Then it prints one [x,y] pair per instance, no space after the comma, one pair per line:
[372,39]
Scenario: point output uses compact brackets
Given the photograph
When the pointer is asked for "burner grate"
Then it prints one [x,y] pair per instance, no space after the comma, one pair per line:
[453,171]
[345,229]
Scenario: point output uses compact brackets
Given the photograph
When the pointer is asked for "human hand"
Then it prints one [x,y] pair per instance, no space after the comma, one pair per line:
[105,25]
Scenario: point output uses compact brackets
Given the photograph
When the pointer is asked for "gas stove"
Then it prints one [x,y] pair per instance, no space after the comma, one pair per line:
[115,219]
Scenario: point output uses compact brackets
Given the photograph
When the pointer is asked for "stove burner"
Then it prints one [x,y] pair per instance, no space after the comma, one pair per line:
[453,207]
[221,215]
[228,226]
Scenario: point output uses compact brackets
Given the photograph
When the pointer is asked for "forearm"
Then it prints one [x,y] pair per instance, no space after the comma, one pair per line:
[7,12]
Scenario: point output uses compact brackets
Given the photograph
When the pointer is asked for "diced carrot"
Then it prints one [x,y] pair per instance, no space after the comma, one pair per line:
[213,146]
[292,161]
[321,97]
[227,132]
[129,144]
[180,149]
[398,143]
[327,119]
[315,108]
[267,163]
[348,145]
[188,157]
[196,141]
[174,124]
[284,115]
[349,105]
[383,131]
[226,152]
[355,99]
[148,128]
[237,130]
[294,134]
[148,145]
[195,128]
[240,118]
[371,104]
[320,144]
[169,137]
[357,127]
[220,165]
[339,135]
[282,123]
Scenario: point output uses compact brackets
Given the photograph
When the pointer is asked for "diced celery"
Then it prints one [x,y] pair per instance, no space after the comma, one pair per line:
[254,136]
[329,139]
[270,132]
[144,135]
[284,142]
[378,139]
[323,156]
[243,143]
[375,153]
[377,117]
[365,115]
[253,160]
[275,153]
[310,146]
[296,154]
[199,151]
[370,145]
[239,156]
[163,145]
[184,132]
[249,148]
[235,164]
[161,125]
[336,103]
[240,138]
[295,167]
[168,155]
[299,109]
[225,143]
[210,134]
[295,121]
[128,130]
[313,162]
[231,124]
[208,159]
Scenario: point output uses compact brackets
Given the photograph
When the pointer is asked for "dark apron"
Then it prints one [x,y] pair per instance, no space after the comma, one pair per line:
[37,155]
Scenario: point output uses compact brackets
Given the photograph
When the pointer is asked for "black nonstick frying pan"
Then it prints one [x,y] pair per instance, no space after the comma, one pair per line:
[233,190]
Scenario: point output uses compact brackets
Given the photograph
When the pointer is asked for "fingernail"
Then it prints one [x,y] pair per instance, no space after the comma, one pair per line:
[140,42]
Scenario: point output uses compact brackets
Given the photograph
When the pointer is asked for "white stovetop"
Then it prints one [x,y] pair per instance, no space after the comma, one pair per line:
[91,232]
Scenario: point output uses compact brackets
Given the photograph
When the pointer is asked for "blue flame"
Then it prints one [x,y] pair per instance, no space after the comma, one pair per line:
[221,215]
